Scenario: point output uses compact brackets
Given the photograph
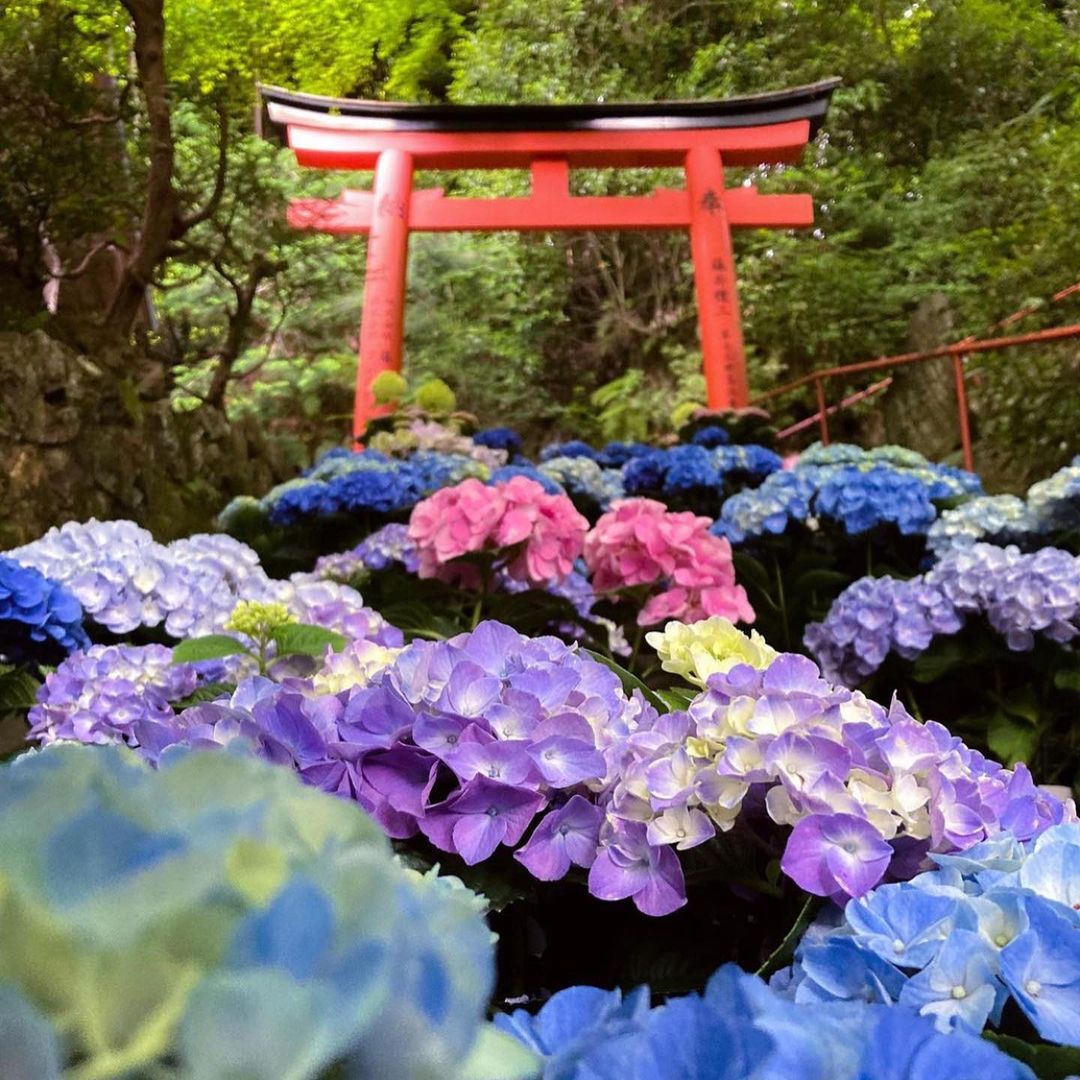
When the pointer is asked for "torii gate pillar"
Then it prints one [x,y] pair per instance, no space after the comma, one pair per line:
[382,320]
[719,326]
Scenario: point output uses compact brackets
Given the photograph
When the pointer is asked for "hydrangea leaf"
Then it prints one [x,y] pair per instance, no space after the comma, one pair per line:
[629,681]
[1048,1062]
[1010,739]
[210,647]
[303,639]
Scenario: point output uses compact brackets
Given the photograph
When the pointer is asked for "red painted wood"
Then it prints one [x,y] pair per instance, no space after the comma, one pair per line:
[382,319]
[328,148]
[431,211]
[714,281]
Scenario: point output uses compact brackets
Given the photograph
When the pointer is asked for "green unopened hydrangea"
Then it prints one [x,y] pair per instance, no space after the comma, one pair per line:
[218,918]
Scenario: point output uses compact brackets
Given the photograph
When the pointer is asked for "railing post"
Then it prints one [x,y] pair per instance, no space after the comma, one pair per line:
[823,412]
[383,316]
[962,411]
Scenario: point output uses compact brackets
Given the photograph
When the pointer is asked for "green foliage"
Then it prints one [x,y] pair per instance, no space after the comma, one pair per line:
[434,396]
[388,387]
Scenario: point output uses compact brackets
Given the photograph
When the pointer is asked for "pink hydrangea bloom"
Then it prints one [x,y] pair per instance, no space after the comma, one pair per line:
[640,542]
[471,517]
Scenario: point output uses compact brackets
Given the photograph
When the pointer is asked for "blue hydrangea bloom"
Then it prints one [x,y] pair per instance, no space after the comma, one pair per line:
[499,438]
[739,1029]
[710,436]
[267,921]
[998,919]
[544,478]
[614,455]
[572,448]
[39,618]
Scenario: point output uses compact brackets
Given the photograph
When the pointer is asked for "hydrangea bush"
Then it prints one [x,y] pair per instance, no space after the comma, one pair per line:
[217,916]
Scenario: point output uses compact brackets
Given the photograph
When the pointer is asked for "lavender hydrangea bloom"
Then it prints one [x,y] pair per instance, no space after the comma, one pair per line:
[387,545]
[1019,595]
[39,619]
[464,741]
[865,789]
[109,692]
[125,579]
[876,616]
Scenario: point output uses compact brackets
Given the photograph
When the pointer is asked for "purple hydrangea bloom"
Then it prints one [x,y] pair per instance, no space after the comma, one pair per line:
[835,855]
[109,693]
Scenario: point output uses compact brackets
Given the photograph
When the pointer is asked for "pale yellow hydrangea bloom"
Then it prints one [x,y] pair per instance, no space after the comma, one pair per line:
[697,650]
[356,665]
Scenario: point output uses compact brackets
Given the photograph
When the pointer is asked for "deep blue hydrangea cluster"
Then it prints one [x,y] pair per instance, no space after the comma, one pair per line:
[691,467]
[499,438]
[39,618]
[999,921]
[861,500]
[1020,596]
[583,479]
[858,489]
[530,472]
[344,482]
[710,436]
[1055,501]
[1001,519]
[740,1029]
[572,448]
[381,486]
[614,455]
[876,616]
[390,544]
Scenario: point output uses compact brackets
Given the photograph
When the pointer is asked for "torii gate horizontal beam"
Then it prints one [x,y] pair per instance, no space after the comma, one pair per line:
[430,210]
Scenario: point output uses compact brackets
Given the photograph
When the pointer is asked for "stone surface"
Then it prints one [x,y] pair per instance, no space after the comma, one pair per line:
[94,437]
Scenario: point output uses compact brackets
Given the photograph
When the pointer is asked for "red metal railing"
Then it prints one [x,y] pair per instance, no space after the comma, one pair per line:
[957,352]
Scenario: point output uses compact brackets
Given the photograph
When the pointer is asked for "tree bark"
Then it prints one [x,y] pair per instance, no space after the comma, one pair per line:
[160,217]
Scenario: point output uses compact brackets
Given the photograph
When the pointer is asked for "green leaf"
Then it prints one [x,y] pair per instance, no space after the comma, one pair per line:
[18,690]
[211,647]
[1068,680]
[749,571]
[940,659]
[1046,1061]
[1010,740]
[630,681]
[302,638]
[676,699]
[209,692]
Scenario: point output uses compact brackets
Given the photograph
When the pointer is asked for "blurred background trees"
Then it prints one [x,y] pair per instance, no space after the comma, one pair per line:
[142,213]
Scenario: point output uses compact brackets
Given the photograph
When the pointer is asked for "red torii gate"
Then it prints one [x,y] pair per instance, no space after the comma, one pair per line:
[549,140]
